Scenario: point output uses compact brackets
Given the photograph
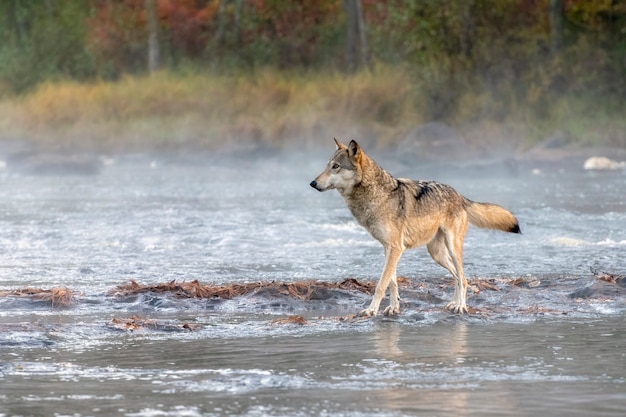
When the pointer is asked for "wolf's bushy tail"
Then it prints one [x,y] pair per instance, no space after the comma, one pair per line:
[492,216]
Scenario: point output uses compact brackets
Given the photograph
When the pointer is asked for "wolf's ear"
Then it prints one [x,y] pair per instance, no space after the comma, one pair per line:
[354,150]
[339,144]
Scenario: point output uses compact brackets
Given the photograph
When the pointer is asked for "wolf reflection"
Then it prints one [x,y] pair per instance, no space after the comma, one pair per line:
[435,374]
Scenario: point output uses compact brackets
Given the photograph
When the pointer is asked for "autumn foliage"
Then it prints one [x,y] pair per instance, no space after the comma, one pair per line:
[110,35]
[462,62]
[117,30]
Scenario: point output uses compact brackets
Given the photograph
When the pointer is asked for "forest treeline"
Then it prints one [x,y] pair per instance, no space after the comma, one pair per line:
[462,59]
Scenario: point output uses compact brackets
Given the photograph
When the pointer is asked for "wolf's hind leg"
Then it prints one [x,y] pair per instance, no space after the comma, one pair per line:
[394,298]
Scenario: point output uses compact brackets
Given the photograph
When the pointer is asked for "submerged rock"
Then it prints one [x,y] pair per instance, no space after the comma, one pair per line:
[605,286]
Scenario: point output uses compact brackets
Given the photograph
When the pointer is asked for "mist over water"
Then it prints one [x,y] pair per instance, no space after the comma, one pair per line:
[250,217]
[224,219]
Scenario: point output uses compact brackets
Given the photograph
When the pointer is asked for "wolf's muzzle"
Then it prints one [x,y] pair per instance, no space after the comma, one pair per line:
[314,184]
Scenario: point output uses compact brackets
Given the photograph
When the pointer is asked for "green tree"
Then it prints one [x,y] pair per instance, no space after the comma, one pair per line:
[43,40]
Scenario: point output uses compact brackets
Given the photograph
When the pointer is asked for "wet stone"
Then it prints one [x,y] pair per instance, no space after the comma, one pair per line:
[601,289]
[586,292]
[322,294]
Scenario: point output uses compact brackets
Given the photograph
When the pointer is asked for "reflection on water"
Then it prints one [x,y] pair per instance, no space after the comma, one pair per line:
[250,219]
[376,368]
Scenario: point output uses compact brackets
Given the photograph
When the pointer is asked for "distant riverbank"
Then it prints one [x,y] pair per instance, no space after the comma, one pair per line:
[279,110]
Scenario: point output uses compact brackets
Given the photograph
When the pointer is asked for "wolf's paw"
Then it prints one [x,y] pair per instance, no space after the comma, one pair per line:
[456,308]
[368,312]
[392,311]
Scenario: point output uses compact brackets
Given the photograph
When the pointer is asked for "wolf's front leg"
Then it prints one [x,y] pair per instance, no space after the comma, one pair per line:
[371,310]
[392,256]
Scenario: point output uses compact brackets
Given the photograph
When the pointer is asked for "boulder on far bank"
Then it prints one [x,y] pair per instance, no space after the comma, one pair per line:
[602,163]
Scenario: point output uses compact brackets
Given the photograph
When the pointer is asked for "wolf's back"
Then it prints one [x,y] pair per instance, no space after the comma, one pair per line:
[492,216]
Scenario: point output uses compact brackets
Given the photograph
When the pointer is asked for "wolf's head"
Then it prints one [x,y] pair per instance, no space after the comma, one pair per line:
[343,170]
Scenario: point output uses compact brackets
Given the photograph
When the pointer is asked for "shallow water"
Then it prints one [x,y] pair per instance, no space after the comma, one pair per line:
[552,349]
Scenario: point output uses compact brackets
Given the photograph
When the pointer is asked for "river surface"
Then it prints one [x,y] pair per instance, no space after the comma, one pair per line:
[550,343]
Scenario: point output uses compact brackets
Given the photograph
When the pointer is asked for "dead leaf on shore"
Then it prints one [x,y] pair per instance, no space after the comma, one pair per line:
[131,324]
[607,277]
[478,285]
[295,319]
[302,290]
[58,297]
[526,282]
[136,323]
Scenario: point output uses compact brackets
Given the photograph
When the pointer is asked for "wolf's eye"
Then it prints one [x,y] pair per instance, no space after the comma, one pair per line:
[335,166]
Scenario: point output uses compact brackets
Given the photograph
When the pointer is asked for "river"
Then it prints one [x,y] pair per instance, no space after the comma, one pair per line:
[547,340]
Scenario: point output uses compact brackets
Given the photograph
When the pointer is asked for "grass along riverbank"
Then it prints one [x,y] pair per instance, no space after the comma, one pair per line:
[271,108]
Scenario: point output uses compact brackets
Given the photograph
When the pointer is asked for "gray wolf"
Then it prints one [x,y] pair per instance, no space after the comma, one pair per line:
[403,214]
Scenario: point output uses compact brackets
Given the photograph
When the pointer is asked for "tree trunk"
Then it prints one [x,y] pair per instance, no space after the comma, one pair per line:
[365,56]
[153,35]
[556,26]
[351,35]
[18,23]
[221,25]
[49,7]
[467,29]
[237,28]
[357,52]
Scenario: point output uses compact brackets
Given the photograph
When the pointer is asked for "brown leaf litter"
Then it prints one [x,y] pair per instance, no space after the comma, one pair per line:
[304,290]
[478,285]
[59,297]
[136,323]
[607,277]
[295,319]
[526,282]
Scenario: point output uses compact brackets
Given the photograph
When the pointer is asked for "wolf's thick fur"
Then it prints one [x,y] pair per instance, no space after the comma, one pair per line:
[403,214]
